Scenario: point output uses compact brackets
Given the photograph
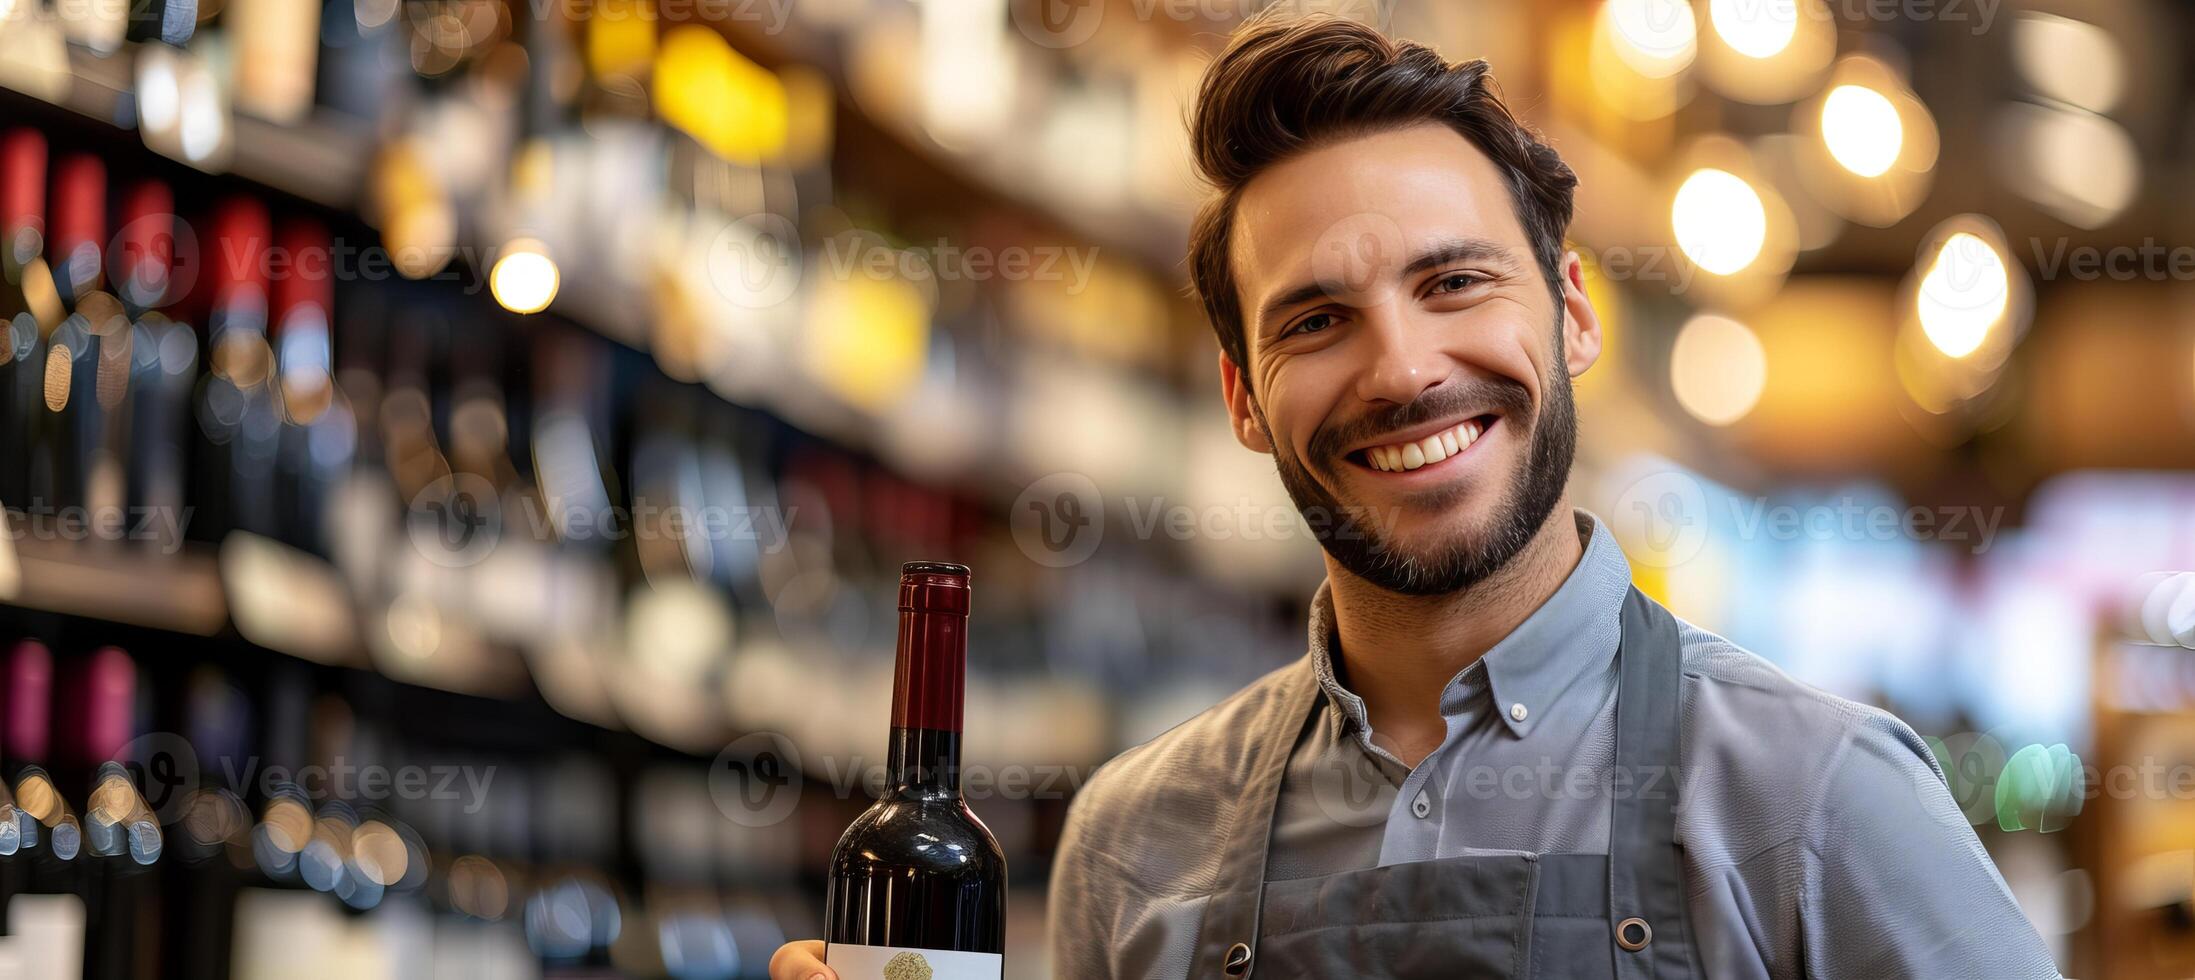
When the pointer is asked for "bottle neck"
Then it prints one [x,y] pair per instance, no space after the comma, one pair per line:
[924,762]
[928,687]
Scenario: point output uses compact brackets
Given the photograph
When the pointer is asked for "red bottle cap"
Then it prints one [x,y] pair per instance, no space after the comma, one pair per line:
[237,261]
[23,192]
[145,252]
[305,278]
[110,708]
[929,681]
[79,202]
[30,700]
[933,587]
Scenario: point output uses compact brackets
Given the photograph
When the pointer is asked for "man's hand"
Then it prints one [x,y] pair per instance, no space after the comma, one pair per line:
[802,960]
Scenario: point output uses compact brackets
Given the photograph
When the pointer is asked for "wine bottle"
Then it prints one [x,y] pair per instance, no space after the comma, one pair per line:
[917,883]
[31,305]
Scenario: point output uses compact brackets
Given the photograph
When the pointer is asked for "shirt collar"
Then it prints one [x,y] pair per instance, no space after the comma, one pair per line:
[1576,629]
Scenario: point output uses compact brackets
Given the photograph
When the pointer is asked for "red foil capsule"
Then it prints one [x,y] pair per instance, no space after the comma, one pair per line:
[110,705]
[145,249]
[79,219]
[29,702]
[23,195]
[929,679]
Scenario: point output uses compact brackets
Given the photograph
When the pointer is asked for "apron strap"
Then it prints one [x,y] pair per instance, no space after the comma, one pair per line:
[1228,937]
[1645,873]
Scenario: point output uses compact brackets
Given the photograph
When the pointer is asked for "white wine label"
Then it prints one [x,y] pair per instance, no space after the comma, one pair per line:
[894,963]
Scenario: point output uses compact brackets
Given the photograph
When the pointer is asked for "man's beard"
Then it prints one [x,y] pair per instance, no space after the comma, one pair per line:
[1358,538]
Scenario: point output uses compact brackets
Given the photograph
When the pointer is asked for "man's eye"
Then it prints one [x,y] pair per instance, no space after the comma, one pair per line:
[1313,323]
[1456,282]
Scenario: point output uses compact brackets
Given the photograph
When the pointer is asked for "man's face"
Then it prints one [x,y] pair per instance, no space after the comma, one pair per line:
[1408,363]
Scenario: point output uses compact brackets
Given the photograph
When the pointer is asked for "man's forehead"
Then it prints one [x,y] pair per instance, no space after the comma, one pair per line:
[1377,198]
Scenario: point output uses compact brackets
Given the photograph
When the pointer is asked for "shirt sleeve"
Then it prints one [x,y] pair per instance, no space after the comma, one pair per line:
[1896,884]
[1075,919]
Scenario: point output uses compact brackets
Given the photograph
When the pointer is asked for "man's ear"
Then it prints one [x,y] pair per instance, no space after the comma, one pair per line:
[1581,327]
[1240,412]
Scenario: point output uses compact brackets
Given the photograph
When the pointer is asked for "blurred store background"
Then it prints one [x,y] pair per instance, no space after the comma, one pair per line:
[458,453]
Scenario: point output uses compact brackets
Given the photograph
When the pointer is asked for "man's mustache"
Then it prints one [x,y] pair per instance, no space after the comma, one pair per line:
[1455,400]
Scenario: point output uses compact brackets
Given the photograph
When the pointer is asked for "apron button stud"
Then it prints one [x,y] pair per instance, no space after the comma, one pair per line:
[1238,960]
[1633,934]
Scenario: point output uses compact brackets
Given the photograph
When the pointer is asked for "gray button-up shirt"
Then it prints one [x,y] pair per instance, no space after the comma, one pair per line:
[1819,839]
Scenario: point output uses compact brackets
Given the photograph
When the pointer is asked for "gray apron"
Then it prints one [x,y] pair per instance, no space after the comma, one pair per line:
[1619,914]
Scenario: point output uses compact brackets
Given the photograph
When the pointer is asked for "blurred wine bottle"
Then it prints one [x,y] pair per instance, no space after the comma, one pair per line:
[314,443]
[161,368]
[238,419]
[28,303]
[69,427]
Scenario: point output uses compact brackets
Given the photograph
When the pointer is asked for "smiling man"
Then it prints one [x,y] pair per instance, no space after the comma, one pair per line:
[1496,757]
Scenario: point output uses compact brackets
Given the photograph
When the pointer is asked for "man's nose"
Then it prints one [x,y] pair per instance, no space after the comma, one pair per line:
[1404,363]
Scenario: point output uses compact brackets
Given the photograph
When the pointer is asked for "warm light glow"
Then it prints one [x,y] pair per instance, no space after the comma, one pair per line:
[868,337]
[2072,61]
[967,72]
[621,38]
[1717,369]
[1862,130]
[1964,293]
[1755,28]
[731,105]
[379,854]
[158,93]
[1657,38]
[525,278]
[204,119]
[2084,168]
[1719,221]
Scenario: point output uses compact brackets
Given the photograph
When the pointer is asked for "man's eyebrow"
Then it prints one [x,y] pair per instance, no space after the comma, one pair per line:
[1456,250]
[1439,253]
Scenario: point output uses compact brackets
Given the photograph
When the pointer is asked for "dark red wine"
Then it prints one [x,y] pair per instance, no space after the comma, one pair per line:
[918,885]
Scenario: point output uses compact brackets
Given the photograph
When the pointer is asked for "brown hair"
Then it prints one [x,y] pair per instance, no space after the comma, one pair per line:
[1288,84]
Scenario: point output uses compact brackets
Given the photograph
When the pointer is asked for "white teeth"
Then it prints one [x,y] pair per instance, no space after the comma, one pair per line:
[1431,449]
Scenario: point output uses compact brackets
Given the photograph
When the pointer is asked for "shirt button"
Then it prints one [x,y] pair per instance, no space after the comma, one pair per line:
[1516,711]
[1422,806]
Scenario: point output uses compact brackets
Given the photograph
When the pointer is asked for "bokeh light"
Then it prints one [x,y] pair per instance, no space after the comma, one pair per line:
[1719,221]
[525,278]
[1963,294]
[1752,28]
[1862,130]
[1717,369]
